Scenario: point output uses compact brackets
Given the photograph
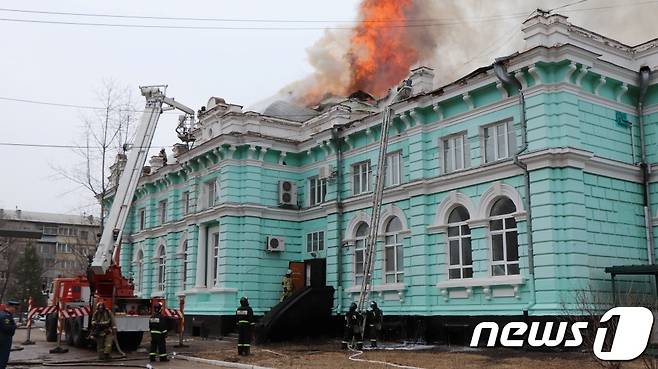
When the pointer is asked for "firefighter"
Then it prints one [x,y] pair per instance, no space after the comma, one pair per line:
[7,329]
[374,318]
[158,329]
[287,285]
[353,320]
[103,328]
[245,318]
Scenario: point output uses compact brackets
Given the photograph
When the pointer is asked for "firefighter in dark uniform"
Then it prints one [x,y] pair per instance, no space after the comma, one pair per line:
[103,328]
[353,321]
[158,328]
[374,319]
[7,329]
[245,317]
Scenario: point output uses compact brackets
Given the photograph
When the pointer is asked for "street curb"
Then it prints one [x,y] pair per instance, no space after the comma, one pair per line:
[227,364]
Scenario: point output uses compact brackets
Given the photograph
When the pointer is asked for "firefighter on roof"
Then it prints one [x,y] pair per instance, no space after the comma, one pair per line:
[287,285]
[353,320]
[103,328]
[245,317]
[7,329]
[374,318]
[158,328]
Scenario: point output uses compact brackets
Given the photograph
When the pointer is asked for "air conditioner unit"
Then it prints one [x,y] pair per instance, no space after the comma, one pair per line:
[287,193]
[325,172]
[275,244]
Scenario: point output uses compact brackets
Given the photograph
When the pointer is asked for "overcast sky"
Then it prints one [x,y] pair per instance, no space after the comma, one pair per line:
[68,63]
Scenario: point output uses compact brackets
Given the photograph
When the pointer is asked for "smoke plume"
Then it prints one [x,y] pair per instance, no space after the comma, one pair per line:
[453,37]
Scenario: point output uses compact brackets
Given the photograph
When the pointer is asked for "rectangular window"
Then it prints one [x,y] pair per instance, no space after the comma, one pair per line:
[315,241]
[212,191]
[185,202]
[215,256]
[498,141]
[162,211]
[393,176]
[361,177]
[142,219]
[63,248]
[317,190]
[49,231]
[455,154]
[84,235]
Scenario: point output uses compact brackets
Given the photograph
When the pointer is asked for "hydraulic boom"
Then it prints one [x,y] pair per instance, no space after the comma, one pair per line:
[116,220]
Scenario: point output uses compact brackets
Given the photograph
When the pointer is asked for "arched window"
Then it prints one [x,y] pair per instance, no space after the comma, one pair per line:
[361,237]
[139,270]
[393,253]
[504,238]
[161,268]
[459,244]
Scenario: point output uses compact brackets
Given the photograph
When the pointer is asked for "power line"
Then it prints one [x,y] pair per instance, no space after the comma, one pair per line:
[57,146]
[236,20]
[248,28]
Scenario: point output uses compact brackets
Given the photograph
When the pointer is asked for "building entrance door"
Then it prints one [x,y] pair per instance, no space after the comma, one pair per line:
[315,272]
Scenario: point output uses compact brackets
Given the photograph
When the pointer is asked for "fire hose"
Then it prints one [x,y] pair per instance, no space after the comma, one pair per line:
[353,357]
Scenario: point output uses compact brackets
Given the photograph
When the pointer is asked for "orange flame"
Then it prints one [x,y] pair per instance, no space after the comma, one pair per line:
[381,49]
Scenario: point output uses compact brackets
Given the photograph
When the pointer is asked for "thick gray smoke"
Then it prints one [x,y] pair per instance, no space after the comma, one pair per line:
[463,35]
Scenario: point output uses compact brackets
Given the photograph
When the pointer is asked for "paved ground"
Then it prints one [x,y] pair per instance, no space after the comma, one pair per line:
[31,355]
[323,354]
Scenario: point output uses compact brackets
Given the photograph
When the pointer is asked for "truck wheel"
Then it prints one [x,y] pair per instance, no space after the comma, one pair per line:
[76,332]
[51,327]
[67,331]
[129,341]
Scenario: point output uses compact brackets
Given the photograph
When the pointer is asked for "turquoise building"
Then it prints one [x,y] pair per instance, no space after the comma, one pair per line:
[489,209]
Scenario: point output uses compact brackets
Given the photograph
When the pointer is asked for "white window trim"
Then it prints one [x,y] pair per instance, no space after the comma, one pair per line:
[399,242]
[141,219]
[138,265]
[511,143]
[320,236]
[212,260]
[388,178]
[460,239]
[316,195]
[185,199]
[358,166]
[356,239]
[503,232]
[466,152]
[162,211]
[160,261]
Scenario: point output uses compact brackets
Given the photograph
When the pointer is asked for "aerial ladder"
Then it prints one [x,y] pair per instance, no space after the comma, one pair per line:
[378,192]
[74,298]
[110,242]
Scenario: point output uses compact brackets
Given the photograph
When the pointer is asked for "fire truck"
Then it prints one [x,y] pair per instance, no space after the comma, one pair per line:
[73,300]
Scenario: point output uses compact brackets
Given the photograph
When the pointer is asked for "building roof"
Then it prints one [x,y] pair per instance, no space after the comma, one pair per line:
[285,110]
[41,217]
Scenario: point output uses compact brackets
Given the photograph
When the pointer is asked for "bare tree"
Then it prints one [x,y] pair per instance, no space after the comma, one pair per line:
[589,305]
[104,134]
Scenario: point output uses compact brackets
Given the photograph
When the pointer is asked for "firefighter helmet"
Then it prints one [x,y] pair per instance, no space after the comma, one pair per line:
[373,305]
[244,301]
[353,306]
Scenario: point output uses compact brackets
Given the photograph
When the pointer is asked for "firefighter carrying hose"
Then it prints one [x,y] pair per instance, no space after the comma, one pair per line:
[374,318]
[245,318]
[158,328]
[103,328]
[353,320]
